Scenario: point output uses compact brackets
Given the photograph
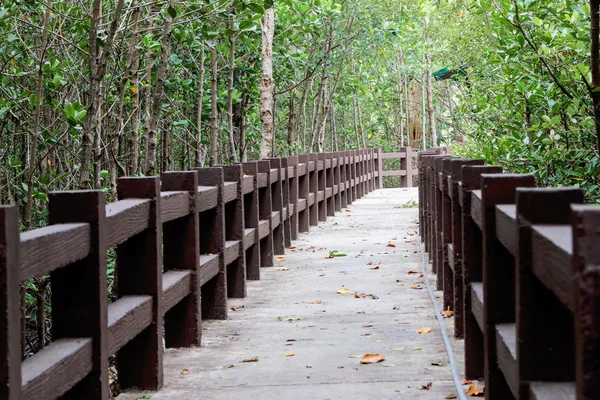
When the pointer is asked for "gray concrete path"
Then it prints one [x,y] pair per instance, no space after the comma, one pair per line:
[309,339]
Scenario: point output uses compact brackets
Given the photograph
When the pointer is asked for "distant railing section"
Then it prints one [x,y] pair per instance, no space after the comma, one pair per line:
[406,171]
[519,266]
[185,242]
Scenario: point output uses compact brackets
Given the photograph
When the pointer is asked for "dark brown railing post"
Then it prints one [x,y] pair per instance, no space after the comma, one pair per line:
[337,189]
[379,169]
[545,340]
[499,301]
[277,222]
[321,185]
[446,234]
[287,210]
[234,233]
[313,189]
[181,249]
[83,313]
[265,210]
[343,179]
[10,309]
[251,220]
[291,163]
[455,251]
[406,165]
[472,267]
[438,242]
[212,241]
[303,194]
[139,269]
[329,185]
[585,262]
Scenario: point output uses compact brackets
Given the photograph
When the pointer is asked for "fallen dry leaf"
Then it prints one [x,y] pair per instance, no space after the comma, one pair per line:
[280,258]
[372,358]
[416,287]
[451,396]
[345,291]
[315,302]
[185,371]
[283,268]
[475,391]
[390,244]
[426,387]
[437,364]
[248,360]
[447,313]
[411,272]
[420,275]
[423,331]
[375,267]
[290,354]
[292,247]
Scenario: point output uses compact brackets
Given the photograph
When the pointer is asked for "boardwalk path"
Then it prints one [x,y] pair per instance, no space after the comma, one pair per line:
[312,351]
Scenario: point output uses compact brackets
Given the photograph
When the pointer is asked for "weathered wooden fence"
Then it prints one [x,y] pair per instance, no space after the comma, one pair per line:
[406,156]
[185,242]
[520,267]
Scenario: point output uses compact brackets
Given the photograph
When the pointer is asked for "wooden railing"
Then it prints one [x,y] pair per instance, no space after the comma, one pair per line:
[185,242]
[520,268]
[406,172]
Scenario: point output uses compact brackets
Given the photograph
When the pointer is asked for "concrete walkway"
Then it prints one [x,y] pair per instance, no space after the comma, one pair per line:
[309,339]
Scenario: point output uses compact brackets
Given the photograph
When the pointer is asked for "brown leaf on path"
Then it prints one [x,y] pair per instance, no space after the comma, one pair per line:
[345,291]
[284,269]
[375,267]
[416,287]
[290,355]
[372,358]
[185,371]
[390,244]
[280,258]
[451,396]
[475,391]
[465,381]
[420,275]
[367,326]
[248,360]
[315,302]
[292,247]
[448,313]
[422,331]
[426,387]
[411,272]
[437,364]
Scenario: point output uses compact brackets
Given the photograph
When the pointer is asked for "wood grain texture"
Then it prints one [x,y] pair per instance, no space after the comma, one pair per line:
[552,251]
[477,302]
[126,218]
[127,317]
[506,227]
[248,184]
[54,370]
[262,179]
[46,249]
[176,285]
[207,198]
[476,208]
[275,219]
[264,229]
[506,347]
[174,205]
[209,268]
[552,391]
[232,251]
[229,191]
[249,237]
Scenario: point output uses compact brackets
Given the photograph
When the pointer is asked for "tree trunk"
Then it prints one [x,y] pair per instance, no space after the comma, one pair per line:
[595,64]
[401,104]
[292,122]
[133,164]
[200,148]
[232,37]
[432,129]
[158,95]
[267,84]
[39,92]
[97,66]
[214,144]
[147,102]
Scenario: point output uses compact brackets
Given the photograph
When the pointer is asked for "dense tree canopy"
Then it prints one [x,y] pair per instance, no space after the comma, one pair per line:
[94,90]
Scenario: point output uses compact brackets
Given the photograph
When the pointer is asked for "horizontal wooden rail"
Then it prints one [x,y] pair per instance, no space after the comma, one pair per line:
[519,267]
[185,243]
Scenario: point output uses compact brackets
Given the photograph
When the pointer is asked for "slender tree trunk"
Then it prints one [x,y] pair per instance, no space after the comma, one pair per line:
[147,102]
[39,92]
[430,109]
[200,148]
[292,122]
[232,37]
[408,106]
[267,84]
[423,111]
[214,143]
[401,104]
[97,66]
[157,97]
[135,106]
[595,63]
